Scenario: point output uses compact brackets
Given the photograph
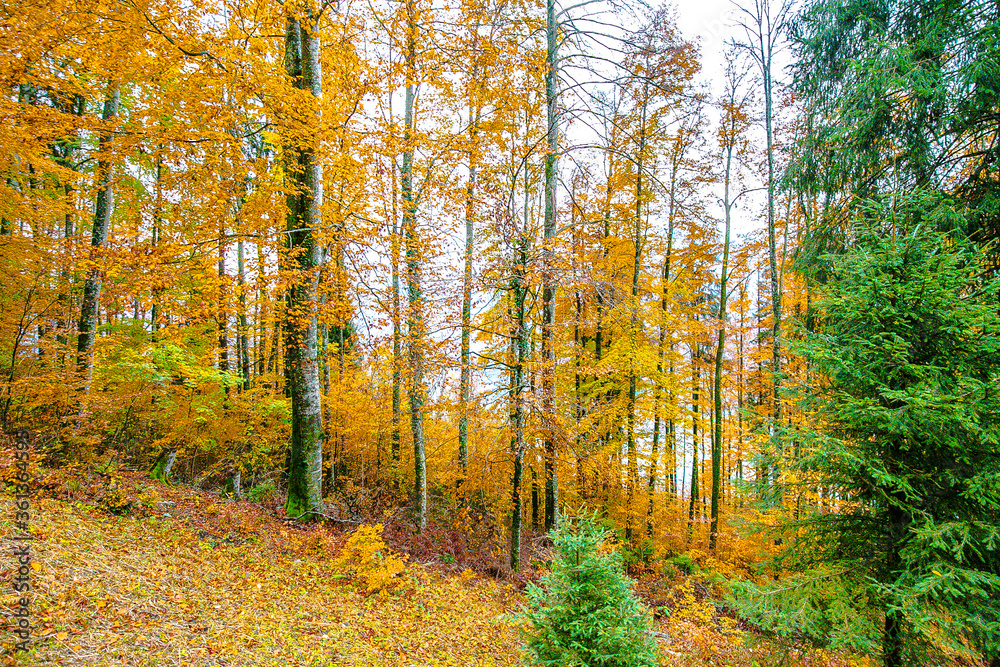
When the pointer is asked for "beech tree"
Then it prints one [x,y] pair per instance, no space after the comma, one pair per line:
[103,209]
[766,25]
[732,143]
[552,29]
[304,197]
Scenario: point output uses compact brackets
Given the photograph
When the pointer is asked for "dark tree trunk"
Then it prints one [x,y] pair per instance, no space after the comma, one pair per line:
[90,306]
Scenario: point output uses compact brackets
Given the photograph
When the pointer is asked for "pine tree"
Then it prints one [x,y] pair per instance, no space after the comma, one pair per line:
[585,613]
[909,347]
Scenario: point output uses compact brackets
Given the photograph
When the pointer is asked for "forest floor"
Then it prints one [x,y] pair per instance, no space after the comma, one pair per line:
[189,578]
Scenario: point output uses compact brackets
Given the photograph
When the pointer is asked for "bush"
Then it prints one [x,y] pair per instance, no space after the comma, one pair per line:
[585,613]
[684,563]
[115,500]
[639,555]
[369,559]
[263,492]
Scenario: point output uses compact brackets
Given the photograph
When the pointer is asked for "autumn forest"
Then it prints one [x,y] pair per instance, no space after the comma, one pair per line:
[461,276]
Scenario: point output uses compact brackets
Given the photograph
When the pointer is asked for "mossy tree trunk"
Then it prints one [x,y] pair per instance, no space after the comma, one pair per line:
[304,196]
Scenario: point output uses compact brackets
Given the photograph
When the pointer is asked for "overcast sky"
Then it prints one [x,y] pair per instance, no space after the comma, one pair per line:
[710,24]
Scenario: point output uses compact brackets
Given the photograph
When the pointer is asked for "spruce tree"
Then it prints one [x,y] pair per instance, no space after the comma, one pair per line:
[585,613]
[908,400]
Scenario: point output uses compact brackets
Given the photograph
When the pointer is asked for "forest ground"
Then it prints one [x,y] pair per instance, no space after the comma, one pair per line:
[187,577]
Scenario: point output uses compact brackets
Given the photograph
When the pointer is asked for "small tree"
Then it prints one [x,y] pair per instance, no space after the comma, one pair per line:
[585,614]
[908,365]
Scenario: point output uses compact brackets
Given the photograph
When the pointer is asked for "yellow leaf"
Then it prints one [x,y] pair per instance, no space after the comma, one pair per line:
[62,635]
[36,566]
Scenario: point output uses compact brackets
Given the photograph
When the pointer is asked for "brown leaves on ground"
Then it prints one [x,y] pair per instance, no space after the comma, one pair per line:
[219,583]
[188,578]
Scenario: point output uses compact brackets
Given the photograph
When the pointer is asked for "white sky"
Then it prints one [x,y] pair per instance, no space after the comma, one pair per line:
[709,23]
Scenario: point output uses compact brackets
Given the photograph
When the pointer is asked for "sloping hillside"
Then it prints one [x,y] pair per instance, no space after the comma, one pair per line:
[187,578]
[223,584]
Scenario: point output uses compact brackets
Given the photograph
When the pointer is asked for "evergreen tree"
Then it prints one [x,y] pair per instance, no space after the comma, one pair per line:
[585,614]
[898,95]
[908,350]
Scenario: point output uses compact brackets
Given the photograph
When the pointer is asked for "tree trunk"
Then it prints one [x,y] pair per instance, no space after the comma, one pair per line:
[775,286]
[670,455]
[304,196]
[155,314]
[635,324]
[548,277]
[465,379]
[65,151]
[103,208]
[397,354]
[415,317]
[720,348]
[244,343]
[520,344]
[765,28]
[740,393]
[221,316]
[534,499]
[580,345]
[695,385]
[164,465]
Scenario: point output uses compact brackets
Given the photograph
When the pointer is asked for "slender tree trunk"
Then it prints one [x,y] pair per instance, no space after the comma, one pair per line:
[323,336]
[548,276]
[695,386]
[154,313]
[534,499]
[340,462]
[65,274]
[634,327]
[767,29]
[415,316]
[305,196]
[520,344]
[740,388]
[103,208]
[275,359]
[221,315]
[670,455]
[262,355]
[465,379]
[397,355]
[775,286]
[580,341]
[720,349]
[243,335]
[65,152]
[602,342]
